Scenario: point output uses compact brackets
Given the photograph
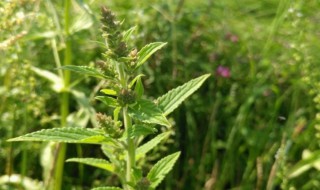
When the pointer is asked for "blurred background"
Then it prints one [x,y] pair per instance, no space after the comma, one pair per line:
[253,125]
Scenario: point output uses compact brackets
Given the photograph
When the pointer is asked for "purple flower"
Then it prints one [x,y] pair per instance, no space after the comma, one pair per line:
[223,71]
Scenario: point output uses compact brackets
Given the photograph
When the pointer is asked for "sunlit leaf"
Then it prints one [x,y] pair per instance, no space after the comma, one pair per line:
[65,134]
[127,34]
[95,162]
[108,101]
[146,111]
[171,100]
[142,130]
[142,150]
[86,71]
[147,51]
[108,92]
[162,168]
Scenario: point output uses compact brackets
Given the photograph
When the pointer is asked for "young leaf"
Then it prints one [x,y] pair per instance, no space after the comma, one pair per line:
[146,111]
[95,162]
[139,88]
[162,167]
[107,188]
[147,51]
[111,102]
[141,130]
[127,34]
[109,92]
[142,150]
[65,134]
[57,84]
[135,80]
[171,100]
[86,71]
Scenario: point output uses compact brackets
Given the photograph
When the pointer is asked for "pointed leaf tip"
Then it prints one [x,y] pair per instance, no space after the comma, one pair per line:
[172,99]
[162,168]
[147,51]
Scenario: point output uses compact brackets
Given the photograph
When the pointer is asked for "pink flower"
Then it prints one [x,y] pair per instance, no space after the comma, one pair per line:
[223,71]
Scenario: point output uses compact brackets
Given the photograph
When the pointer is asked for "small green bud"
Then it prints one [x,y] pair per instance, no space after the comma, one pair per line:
[111,127]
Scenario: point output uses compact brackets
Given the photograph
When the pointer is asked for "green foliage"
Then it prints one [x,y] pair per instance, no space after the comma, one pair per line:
[170,101]
[86,71]
[146,111]
[98,163]
[248,128]
[145,148]
[161,168]
[147,51]
[66,134]
[119,140]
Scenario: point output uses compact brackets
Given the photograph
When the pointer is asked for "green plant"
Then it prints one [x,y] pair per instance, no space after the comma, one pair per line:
[124,138]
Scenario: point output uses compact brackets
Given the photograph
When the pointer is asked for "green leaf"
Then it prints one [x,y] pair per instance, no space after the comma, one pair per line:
[171,100]
[142,150]
[142,130]
[82,22]
[147,51]
[139,88]
[304,164]
[66,134]
[109,92]
[127,34]
[109,151]
[95,162]
[86,71]
[146,111]
[107,188]
[111,102]
[162,168]
[57,83]
[135,80]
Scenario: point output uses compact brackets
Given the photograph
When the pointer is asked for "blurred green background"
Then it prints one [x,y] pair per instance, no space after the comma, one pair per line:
[253,125]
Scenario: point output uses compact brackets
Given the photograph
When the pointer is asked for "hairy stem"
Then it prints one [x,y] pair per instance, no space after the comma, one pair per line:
[130,146]
[128,125]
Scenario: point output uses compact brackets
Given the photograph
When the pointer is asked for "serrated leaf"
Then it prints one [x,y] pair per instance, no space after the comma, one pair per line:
[162,168]
[147,51]
[65,134]
[95,162]
[86,71]
[171,100]
[141,130]
[109,92]
[135,80]
[108,101]
[107,188]
[146,111]
[139,90]
[126,35]
[142,150]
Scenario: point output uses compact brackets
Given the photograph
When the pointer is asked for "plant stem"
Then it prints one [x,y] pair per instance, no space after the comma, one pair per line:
[130,145]
[128,125]
[64,109]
